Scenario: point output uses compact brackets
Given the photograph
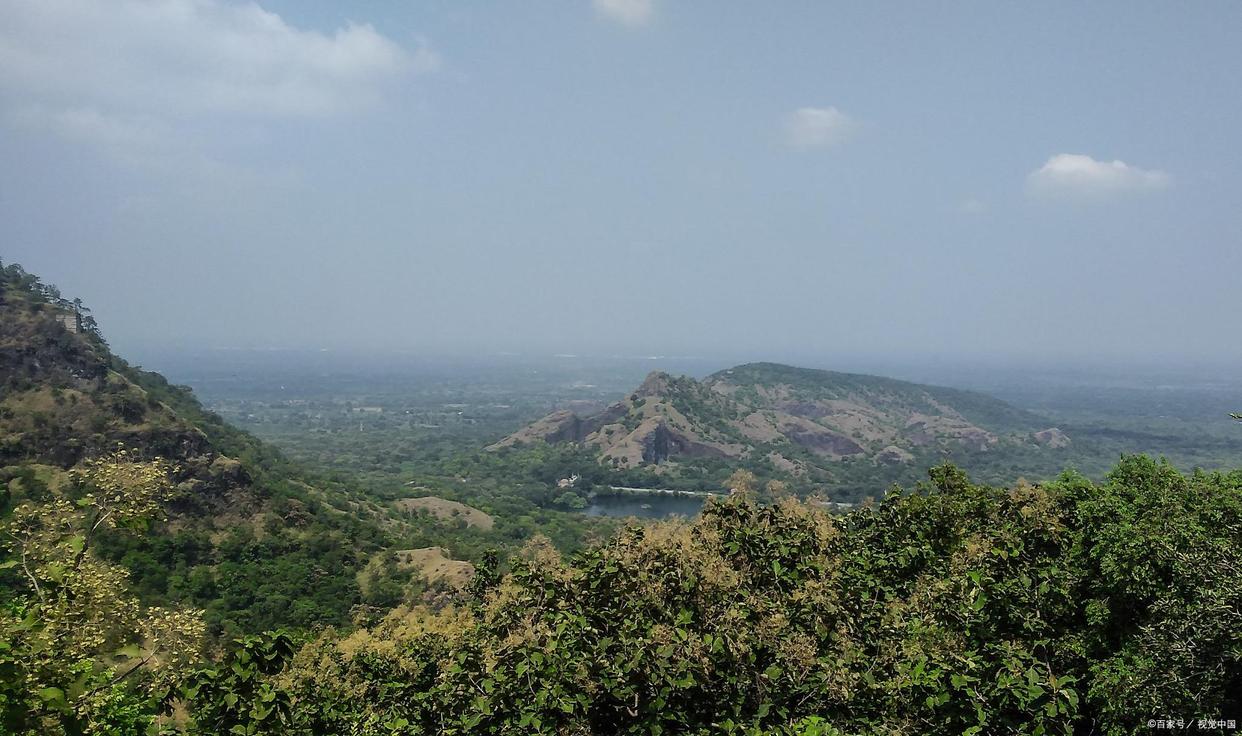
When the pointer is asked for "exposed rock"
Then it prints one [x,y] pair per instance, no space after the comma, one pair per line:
[753,407]
[894,455]
[656,384]
[817,438]
[654,442]
[561,426]
[1052,438]
[760,426]
[923,429]
[228,470]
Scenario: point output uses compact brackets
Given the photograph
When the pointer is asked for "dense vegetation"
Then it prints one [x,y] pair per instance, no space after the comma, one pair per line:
[252,539]
[1069,607]
[198,582]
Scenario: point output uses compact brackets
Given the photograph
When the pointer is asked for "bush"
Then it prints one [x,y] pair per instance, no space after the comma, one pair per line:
[1063,608]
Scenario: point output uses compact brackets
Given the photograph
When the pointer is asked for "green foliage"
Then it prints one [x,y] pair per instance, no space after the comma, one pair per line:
[571,500]
[1069,607]
[73,639]
[237,696]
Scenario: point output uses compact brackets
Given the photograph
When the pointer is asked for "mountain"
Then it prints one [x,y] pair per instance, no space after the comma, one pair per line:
[794,417]
[65,397]
[249,536]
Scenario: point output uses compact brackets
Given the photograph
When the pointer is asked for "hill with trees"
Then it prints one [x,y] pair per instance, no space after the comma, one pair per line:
[806,427]
[249,537]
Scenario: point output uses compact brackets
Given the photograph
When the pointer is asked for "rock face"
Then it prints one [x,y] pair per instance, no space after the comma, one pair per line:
[922,430]
[1052,437]
[783,412]
[561,426]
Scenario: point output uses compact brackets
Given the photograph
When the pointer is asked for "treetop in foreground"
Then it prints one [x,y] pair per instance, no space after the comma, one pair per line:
[1070,607]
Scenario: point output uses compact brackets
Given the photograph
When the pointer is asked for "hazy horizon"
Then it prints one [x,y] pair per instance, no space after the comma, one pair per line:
[194,365]
[828,186]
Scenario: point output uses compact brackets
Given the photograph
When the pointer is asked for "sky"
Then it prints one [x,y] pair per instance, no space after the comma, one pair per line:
[990,181]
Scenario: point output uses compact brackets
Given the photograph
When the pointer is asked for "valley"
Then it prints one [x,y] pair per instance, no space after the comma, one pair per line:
[304,520]
[418,424]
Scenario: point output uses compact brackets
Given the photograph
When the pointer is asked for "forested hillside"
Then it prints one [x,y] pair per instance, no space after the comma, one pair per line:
[250,538]
[162,572]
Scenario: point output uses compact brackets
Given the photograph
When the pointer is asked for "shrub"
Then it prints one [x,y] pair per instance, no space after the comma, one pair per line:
[1053,609]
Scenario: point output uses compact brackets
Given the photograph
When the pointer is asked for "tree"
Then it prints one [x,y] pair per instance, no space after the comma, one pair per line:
[571,500]
[1061,608]
[74,637]
[742,482]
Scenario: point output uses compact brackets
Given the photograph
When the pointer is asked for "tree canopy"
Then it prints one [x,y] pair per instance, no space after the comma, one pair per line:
[1061,608]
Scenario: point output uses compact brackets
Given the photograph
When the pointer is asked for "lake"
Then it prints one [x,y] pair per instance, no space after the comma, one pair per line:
[658,505]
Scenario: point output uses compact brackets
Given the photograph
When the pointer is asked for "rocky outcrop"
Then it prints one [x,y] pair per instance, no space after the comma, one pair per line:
[654,442]
[1052,438]
[922,430]
[817,438]
[766,408]
[561,426]
[656,384]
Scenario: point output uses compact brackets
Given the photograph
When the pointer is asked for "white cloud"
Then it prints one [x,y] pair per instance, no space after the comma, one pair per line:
[626,12]
[190,56]
[153,84]
[1077,176]
[817,127]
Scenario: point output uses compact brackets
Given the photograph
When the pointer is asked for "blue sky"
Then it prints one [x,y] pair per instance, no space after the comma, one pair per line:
[986,180]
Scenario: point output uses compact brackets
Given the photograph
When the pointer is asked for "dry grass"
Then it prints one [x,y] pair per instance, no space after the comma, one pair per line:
[446,510]
[434,565]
